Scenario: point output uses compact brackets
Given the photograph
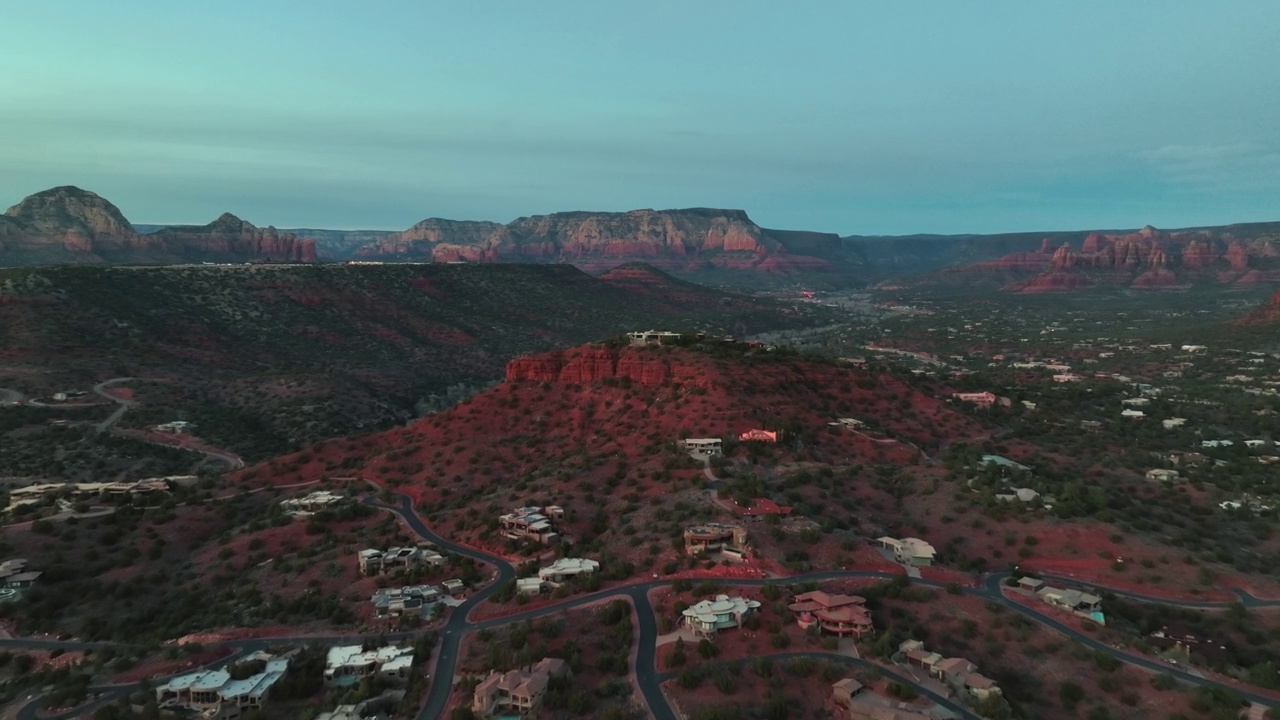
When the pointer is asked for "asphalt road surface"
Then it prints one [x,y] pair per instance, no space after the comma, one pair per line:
[648,679]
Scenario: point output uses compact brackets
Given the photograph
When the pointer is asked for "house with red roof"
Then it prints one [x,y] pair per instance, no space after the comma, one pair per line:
[836,614]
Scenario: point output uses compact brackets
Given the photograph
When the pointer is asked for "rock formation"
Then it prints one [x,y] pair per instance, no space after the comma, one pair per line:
[70,225]
[591,363]
[230,238]
[691,239]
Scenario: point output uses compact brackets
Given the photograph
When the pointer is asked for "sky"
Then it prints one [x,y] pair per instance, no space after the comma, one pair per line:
[832,115]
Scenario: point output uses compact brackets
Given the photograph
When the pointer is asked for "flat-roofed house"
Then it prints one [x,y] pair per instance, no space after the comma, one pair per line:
[703,447]
[716,537]
[565,569]
[346,664]
[909,550]
[216,694]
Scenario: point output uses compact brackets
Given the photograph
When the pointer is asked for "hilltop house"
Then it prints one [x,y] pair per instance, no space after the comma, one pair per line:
[214,694]
[378,562]
[703,447]
[1132,414]
[836,614]
[311,503]
[516,692]
[530,523]
[770,436]
[1162,475]
[909,551]
[565,569]
[652,337]
[177,427]
[707,617]
[979,399]
[716,537]
[1171,423]
[346,664]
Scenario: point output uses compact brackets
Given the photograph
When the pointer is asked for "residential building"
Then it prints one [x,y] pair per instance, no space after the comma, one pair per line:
[848,701]
[770,436]
[1162,475]
[836,614]
[565,569]
[909,551]
[342,712]
[1067,377]
[312,502]
[1171,423]
[516,692]
[177,427]
[215,694]
[1002,461]
[1132,414]
[346,664]
[405,600]
[716,537]
[529,523]
[1030,584]
[1025,495]
[1076,601]
[981,399]
[703,447]
[384,562]
[453,587]
[1216,443]
[652,337]
[530,586]
[1136,402]
[708,617]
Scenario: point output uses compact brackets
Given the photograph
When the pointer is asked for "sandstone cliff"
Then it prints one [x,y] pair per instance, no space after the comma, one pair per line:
[680,240]
[230,238]
[1146,259]
[71,225]
[594,362]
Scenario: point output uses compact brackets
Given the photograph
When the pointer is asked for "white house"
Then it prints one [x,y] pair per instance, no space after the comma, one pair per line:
[565,569]
[346,664]
[707,617]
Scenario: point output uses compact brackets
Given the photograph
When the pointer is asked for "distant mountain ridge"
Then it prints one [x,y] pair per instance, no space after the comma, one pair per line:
[68,225]
[683,240]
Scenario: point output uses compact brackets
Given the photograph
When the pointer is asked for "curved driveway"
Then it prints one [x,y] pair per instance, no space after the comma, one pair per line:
[101,389]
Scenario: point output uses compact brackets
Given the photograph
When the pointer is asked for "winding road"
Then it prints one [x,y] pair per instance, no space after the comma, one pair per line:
[647,678]
[113,418]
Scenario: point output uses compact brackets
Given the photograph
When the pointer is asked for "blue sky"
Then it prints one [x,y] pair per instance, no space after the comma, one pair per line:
[837,115]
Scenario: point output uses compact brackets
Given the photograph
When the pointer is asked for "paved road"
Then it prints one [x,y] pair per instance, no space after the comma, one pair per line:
[942,700]
[101,389]
[1245,598]
[457,625]
[647,678]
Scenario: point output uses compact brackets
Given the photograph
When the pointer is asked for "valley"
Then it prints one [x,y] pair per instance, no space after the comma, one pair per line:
[1018,443]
